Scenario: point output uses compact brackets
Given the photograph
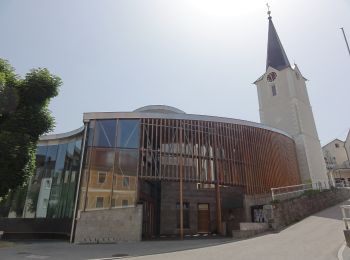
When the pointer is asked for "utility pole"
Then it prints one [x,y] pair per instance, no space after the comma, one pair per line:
[346,41]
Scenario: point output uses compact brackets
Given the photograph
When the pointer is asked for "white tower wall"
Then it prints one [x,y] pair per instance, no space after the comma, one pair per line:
[290,110]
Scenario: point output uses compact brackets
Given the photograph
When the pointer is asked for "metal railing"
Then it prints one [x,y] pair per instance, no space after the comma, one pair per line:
[288,192]
[345,209]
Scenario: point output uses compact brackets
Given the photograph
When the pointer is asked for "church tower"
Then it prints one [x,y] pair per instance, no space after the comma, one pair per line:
[284,104]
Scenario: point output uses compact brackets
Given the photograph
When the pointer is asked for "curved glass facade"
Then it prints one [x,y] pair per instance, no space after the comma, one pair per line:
[51,190]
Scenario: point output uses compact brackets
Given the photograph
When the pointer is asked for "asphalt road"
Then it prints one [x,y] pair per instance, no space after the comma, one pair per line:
[317,237]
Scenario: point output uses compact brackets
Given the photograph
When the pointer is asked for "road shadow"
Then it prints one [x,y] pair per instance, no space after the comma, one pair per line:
[65,250]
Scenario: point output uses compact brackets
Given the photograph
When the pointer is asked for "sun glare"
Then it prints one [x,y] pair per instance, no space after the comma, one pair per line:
[226,7]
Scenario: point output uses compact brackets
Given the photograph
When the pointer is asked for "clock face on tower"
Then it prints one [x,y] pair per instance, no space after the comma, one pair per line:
[271,76]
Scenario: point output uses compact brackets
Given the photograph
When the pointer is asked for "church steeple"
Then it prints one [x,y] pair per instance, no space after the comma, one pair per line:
[276,56]
[284,104]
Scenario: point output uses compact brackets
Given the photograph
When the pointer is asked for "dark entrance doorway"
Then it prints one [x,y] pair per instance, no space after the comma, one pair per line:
[203,218]
[150,198]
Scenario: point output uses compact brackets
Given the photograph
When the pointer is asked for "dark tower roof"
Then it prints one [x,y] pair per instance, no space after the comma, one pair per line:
[276,56]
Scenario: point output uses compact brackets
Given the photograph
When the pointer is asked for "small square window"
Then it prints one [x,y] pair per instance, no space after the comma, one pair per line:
[102,177]
[337,145]
[99,202]
[125,182]
[125,203]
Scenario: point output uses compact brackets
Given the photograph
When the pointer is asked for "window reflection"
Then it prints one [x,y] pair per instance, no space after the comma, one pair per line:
[102,159]
[104,135]
[112,177]
[128,133]
[90,132]
[40,160]
[124,190]
[126,162]
[51,191]
[51,159]
[110,173]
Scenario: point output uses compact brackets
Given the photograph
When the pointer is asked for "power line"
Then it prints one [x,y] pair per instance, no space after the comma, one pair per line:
[346,41]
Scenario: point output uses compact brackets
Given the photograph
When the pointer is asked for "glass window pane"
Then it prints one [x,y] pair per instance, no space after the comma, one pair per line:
[105,133]
[102,159]
[40,159]
[57,196]
[70,149]
[78,146]
[126,162]
[128,133]
[51,159]
[60,161]
[90,132]
[100,177]
[124,189]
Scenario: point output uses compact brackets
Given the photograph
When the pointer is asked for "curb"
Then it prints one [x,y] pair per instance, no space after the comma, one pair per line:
[340,252]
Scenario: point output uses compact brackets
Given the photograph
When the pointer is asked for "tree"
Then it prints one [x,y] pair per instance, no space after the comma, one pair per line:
[24,116]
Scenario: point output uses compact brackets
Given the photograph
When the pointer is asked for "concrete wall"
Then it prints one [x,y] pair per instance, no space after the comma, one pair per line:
[231,201]
[109,225]
[290,211]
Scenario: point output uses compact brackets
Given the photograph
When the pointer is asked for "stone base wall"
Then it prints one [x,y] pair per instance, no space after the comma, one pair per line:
[253,226]
[109,225]
[284,213]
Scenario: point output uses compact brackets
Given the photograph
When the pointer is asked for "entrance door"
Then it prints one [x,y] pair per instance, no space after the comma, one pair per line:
[203,218]
[148,220]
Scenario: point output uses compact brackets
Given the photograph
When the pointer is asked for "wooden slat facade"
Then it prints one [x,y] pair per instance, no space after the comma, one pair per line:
[215,152]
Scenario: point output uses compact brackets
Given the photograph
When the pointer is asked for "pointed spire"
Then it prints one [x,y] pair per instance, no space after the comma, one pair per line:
[276,56]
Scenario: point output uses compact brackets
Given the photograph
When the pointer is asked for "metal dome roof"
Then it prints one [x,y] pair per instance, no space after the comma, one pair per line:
[159,109]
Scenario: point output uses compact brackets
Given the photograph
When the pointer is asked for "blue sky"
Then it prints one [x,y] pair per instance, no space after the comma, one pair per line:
[200,56]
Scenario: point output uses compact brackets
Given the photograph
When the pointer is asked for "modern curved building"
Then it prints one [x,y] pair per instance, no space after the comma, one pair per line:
[141,165]
[159,155]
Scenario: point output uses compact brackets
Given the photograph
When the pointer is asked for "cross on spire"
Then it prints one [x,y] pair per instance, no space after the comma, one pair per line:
[268,10]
